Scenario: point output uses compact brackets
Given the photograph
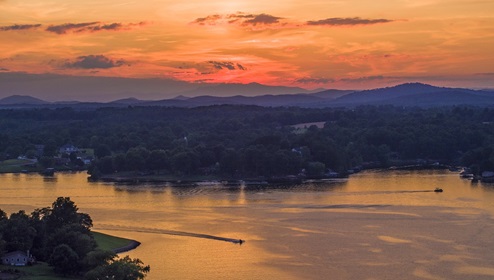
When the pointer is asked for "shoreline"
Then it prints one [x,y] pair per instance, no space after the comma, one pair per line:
[131,246]
[133,178]
[223,181]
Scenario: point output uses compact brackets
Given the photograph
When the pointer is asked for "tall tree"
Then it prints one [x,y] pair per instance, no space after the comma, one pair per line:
[124,269]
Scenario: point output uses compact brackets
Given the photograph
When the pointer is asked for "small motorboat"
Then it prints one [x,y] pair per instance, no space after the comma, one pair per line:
[438,190]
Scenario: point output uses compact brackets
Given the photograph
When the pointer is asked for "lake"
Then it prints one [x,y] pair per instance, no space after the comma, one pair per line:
[374,225]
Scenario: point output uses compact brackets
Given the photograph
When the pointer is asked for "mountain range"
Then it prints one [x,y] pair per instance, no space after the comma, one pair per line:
[106,89]
[409,94]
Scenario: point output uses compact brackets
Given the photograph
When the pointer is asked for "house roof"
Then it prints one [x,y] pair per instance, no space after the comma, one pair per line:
[15,253]
[67,146]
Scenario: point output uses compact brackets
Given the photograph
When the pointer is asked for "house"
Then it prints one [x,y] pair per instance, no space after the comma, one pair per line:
[17,258]
[68,149]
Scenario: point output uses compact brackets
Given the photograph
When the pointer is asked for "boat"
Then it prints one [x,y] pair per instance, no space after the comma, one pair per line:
[466,174]
[438,190]
[48,172]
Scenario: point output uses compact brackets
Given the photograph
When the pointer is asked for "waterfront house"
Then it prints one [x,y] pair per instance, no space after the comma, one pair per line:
[68,149]
[17,258]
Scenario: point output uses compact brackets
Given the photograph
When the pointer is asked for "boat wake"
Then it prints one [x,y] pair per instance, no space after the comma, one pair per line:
[167,232]
[387,192]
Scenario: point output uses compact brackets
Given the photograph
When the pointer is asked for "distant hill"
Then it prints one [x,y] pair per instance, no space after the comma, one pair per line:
[416,94]
[410,94]
[444,98]
[22,100]
[252,89]
[106,89]
[332,93]
[383,94]
[128,101]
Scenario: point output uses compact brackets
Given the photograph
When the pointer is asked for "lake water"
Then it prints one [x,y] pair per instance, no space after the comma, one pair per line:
[375,225]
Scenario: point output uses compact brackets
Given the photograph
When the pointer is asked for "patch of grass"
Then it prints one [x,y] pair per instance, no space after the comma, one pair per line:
[86,152]
[40,271]
[15,162]
[109,242]
[14,165]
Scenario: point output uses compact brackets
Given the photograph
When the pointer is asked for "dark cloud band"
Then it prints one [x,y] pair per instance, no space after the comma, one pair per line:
[239,18]
[17,27]
[220,65]
[94,62]
[82,27]
[347,21]
[266,20]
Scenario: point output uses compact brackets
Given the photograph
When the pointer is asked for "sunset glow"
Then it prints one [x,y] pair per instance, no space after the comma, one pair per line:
[353,44]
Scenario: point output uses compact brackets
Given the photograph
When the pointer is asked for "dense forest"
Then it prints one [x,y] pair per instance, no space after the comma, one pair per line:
[249,141]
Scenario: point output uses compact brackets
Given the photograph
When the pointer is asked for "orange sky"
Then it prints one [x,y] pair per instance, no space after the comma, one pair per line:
[352,44]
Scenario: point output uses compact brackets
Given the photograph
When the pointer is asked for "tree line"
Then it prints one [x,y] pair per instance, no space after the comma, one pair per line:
[252,141]
[61,236]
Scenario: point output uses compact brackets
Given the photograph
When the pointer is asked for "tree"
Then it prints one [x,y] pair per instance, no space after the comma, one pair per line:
[229,162]
[73,157]
[185,162]
[3,216]
[102,150]
[64,212]
[18,233]
[122,269]
[80,242]
[119,162]
[315,168]
[61,224]
[157,160]
[105,165]
[3,221]
[38,222]
[135,158]
[46,161]
[98,258]
[64,260]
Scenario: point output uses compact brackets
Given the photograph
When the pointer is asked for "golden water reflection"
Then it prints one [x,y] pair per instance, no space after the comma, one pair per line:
[375,225]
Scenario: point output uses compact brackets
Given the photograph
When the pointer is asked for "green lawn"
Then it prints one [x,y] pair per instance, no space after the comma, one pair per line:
[42,271]
[14,165]
[109,242]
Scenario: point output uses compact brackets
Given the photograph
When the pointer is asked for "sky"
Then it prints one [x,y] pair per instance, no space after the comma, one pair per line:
[354,44]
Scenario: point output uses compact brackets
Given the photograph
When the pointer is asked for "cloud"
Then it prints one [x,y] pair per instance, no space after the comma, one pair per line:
[90,27]
[94,62]
[209,20]
[64,28]
[347,21]
[17,27]
[220,65]
[240,18]
[3,69]
[308,80]
[263,19]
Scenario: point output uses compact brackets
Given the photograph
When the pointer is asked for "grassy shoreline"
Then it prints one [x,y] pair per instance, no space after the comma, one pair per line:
[114,243]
